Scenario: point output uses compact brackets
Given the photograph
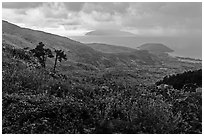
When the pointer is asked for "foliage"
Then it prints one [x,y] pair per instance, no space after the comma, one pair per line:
[37,101]
[192,78]
[59,56]
[42,53]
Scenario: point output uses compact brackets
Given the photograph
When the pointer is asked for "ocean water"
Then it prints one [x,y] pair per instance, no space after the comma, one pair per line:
[182,46]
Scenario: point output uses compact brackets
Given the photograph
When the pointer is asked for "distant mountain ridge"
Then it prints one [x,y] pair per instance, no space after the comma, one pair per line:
[155,47]
[109,33]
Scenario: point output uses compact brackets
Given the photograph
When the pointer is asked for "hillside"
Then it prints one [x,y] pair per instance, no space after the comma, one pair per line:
[127,55]
[37,101]
[110,48]
[76,51]
[23,37]
[155,47]
[192,79]
[109,33]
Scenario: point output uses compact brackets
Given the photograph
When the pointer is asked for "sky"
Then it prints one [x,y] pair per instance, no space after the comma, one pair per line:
[143,19]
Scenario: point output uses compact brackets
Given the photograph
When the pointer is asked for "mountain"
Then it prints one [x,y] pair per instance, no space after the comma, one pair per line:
[125,54]
[77,53]
[155,47]
[106,48]
[23,37]
[109,33]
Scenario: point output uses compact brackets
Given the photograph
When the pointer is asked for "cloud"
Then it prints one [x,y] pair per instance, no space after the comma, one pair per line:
[74,6]
[110,7]
[161,18]
[53,10]
[182,9]
[142,18]
[20,5]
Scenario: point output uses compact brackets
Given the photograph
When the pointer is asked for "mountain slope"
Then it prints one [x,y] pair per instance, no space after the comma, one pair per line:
[110,48]
[76,51]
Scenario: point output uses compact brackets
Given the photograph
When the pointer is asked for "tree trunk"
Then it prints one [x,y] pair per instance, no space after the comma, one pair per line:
[55,62]
[43,61]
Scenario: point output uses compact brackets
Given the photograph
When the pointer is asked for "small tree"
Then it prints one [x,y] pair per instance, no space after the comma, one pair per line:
[59,56]
[41,53]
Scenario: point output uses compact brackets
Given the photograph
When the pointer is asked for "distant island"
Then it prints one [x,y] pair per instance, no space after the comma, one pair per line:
[109,33]
[155,47]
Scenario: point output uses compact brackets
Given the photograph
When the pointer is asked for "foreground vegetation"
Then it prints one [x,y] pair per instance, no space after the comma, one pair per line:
[37,100]
[188,79]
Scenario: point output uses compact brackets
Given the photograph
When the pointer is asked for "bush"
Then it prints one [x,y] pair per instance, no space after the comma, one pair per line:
[179,80]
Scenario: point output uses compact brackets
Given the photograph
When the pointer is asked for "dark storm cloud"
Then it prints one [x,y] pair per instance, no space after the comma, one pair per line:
[20,5]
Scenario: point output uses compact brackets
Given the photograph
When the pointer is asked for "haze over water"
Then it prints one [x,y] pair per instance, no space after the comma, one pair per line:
[182,46]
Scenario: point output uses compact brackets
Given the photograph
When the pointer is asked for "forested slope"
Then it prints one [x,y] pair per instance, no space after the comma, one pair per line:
[37,101]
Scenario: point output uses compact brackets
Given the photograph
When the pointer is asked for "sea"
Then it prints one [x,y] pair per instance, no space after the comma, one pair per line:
[183,46]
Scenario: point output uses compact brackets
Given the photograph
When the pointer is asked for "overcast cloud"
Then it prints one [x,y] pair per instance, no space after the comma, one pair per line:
[155,19]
